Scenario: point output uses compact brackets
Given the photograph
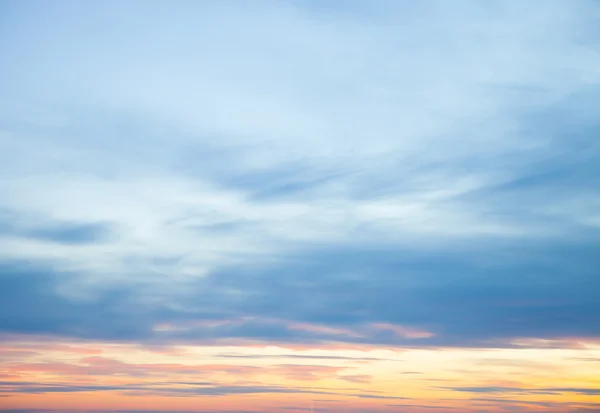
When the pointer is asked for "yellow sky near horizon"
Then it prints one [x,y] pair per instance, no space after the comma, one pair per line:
[80,376]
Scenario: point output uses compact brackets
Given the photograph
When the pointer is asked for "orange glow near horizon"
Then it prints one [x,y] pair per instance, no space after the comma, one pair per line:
[100,376]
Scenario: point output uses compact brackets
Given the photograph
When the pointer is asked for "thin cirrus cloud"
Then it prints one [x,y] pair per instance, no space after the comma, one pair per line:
[302,174]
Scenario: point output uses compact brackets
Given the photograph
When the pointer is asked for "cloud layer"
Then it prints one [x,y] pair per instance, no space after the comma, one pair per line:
[302,174]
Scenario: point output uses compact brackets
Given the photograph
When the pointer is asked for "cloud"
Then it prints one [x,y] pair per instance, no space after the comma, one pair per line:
[549,390]
[357,378]
[107,367]
[32,303]
[341,295]
[102,411]
[338,126]
[53,232]
[376,396]
[300,356]
[390,174]
[536,403]
[420,406]
[174,389]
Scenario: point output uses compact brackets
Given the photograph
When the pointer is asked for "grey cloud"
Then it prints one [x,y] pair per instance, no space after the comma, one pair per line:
[175,389]
[542,292]
[301,356]
[30,302]
[517,390]
[54,231]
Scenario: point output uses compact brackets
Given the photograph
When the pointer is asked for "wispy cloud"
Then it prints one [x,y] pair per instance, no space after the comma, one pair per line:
[333,128]
[395,174]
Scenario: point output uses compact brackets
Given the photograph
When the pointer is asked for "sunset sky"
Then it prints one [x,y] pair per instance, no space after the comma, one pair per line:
[278,206]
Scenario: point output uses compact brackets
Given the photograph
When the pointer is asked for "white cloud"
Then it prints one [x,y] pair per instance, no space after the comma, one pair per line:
[109,104]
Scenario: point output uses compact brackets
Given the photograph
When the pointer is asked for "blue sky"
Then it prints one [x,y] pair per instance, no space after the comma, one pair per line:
[431,165]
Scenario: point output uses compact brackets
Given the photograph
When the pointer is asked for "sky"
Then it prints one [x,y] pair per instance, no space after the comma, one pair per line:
[283,206]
